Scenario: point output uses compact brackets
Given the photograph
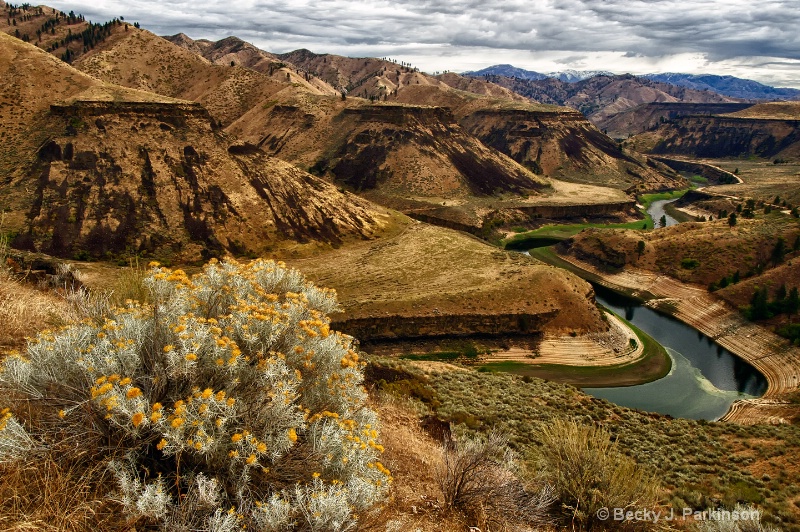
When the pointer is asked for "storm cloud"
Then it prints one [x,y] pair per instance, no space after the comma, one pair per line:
[758,40]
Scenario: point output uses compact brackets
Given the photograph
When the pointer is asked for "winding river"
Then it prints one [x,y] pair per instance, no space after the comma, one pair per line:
[704,380]
[656,211]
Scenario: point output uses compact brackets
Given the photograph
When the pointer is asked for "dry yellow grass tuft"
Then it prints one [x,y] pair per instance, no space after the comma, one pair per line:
[25,310]
[54,493]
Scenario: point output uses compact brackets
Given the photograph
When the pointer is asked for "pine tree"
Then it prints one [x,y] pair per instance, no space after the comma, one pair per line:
[781,294]
[779,251]
[793,301]
[759,307]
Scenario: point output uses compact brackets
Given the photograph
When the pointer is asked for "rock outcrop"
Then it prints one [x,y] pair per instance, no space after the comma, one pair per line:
[728,136]
[115,171]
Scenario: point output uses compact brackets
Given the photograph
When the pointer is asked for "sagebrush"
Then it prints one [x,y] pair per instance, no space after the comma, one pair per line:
[589,472]
[480,477]
[224,403]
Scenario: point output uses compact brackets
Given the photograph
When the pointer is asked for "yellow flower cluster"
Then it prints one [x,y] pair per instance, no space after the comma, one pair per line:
[350,360]
[247,447]
[196,423]
[118,396]
[315,327]
[5,415]
[323,414]
[380,467]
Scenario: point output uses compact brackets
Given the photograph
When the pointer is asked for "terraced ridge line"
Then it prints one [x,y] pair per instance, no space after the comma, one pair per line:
[771,355]
[611,348]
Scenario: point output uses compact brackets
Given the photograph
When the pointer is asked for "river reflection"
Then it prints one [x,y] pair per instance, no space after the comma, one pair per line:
[705,378]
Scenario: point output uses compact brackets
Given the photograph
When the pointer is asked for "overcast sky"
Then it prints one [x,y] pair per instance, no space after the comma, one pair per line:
[755,39]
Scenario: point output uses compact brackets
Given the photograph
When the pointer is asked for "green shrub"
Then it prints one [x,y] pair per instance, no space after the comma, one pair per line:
[225,402]
[689,263]
[589,472]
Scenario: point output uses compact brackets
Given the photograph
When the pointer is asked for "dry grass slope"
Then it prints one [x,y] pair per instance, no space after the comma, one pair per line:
[432,271]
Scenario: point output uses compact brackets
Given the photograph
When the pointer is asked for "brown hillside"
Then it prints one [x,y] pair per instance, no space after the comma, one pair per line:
[734,135]
[31,81]
[407,157]
[141,60]
[767,130]
[382,79]
[261,112]
[480,86]
[233,51]
[555,141]
[601,97]
[107,170]
[649,115]
[567,146]
[358,76]
[718,249]
[417,158]
[65,35]
[409,150]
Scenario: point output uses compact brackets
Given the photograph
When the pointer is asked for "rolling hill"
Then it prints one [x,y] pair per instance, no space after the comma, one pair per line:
[99,170]
[764,130]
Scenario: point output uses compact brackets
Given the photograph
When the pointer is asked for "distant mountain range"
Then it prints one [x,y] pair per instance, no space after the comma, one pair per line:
[510,71]
[728,85]
[725,85]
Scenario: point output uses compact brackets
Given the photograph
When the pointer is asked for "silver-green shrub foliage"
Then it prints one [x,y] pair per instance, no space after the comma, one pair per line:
[230,385]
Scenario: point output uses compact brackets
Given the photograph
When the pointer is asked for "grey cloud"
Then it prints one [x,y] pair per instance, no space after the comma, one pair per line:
[719,29]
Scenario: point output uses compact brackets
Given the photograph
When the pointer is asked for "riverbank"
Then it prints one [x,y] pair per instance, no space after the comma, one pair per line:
[622,356]
[553,233]
[770,354]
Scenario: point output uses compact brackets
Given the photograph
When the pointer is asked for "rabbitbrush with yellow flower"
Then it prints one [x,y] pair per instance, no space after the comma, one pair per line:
[226,403]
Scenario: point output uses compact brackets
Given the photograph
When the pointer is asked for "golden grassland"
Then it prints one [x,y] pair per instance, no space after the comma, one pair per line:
[428,270]
[763,179]
[696,463]
[25,310]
